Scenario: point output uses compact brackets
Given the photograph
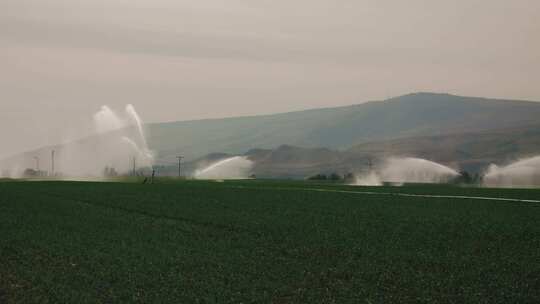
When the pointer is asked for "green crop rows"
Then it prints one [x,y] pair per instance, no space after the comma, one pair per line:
[264,242]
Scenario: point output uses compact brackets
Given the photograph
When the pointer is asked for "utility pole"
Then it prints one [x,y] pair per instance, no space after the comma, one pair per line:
[52,163]
[370,164]
[179,165]
[134,166]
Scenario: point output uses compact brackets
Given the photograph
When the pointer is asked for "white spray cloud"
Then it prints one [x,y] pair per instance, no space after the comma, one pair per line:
[408,170]
[370,179]
[416,170]
[105,120]
[237,167]
[119,139]
[523,173]
[14,171]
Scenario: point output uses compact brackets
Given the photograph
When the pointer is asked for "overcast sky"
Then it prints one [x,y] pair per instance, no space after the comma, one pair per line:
[60,60]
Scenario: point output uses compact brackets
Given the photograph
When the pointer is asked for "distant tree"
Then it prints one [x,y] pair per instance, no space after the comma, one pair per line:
[30,173]
[465,177]
[318,177]
[477,178]
[335,177]
[349,177]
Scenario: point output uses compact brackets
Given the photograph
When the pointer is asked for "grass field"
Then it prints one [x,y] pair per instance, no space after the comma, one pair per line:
[264,242]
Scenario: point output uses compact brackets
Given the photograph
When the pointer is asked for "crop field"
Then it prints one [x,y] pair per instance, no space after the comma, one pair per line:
[265,242]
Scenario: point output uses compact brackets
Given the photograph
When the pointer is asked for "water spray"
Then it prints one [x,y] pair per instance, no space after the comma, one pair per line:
[237,167]
[522,173]
[408,170]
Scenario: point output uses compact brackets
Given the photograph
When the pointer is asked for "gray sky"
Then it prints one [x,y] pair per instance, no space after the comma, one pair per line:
[60,60]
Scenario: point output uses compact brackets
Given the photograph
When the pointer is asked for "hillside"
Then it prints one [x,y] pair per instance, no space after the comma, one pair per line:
[414,115]
[462,132]
[472,152]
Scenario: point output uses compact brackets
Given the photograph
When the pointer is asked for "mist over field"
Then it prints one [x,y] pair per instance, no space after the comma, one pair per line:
[407,170]
[522,173]
[117,146]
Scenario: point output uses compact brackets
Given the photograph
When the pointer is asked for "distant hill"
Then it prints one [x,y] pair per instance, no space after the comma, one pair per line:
[414,115]
[296,162]
[472,152]
[463,132]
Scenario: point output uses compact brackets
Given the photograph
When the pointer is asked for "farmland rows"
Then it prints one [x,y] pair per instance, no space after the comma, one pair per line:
[260,241]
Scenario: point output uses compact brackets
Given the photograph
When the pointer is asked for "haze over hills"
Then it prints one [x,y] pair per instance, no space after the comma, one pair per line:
[464,132]
[472,152]
[414,115]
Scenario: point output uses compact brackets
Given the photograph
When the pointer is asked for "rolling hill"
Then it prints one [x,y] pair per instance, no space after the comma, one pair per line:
[414,115]
[472,152]
[463,132]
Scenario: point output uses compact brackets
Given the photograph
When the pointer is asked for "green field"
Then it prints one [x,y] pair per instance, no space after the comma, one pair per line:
[264,242]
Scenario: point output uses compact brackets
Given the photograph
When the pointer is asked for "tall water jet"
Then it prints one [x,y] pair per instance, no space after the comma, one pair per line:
[523,173]
[408,170]
[134,117]
[119,140]
[143,149]
[237,167]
